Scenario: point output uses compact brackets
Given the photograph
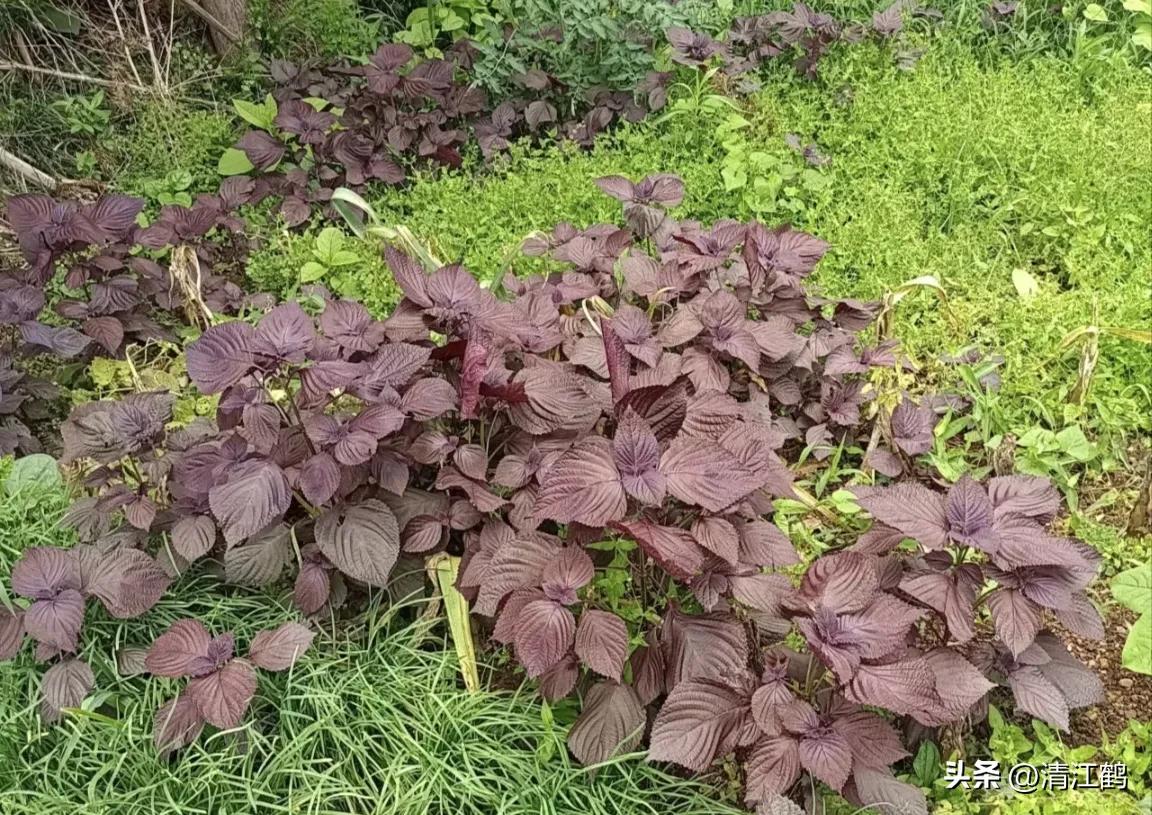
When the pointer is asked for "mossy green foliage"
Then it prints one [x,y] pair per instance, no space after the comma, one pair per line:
[125,137]
[35,130]
[310,30]
[28,516]
[958,170]
[276,265]
[161,137]
[1119,551]
[1011,744]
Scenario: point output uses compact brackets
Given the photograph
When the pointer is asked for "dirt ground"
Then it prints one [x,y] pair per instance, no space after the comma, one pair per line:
[1128,695]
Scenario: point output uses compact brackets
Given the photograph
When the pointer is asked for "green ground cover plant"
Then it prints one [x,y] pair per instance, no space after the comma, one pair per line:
[1011,744]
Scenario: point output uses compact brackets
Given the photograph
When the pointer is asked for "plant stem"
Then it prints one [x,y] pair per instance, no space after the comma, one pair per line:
[27,171]
[93,80]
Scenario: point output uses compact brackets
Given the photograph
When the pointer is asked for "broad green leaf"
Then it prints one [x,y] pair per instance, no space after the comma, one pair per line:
[1143,35]
[344,257]
[1133,588]
[451,21]
[1137,654]
[328,243]
[845,502]
[1073,442]
[262,115]
[1082,754]
[767,187]
[1038,438]
[37,471]
[1139,6]
[250,112]
[760,160]
[1096,13]
[312,271]
[184,199]
[1025,283]
[734,178]
[234,162]
[1044,734]
[926,765]
[815,180]
[735,121]
[179,179]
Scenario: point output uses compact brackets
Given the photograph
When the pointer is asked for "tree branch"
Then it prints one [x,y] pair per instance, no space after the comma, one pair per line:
[27,171]
[94,80]
[213,22]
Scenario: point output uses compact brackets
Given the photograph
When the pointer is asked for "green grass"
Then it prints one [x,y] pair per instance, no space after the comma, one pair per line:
[370,721]
[958,169]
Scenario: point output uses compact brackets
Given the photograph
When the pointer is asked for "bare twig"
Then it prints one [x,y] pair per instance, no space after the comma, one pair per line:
[213,21]
[874,439]
[157,75]
[114,7]
[1142,510]
[27,171]
[93,80]
[22,46]
[168,48]
[184,273]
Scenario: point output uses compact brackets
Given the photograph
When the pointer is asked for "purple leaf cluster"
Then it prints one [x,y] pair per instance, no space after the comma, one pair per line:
[652,385]
[124,283]
[365,438]
[800,35]
[908,432]
[997,14]
[997,532]
[98,247]
[887,628]
[349,125]
[57,583]
[220,685]
[399,111]
[22,398]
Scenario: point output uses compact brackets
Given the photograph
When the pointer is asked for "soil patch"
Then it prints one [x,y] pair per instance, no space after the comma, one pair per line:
[1128,695]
